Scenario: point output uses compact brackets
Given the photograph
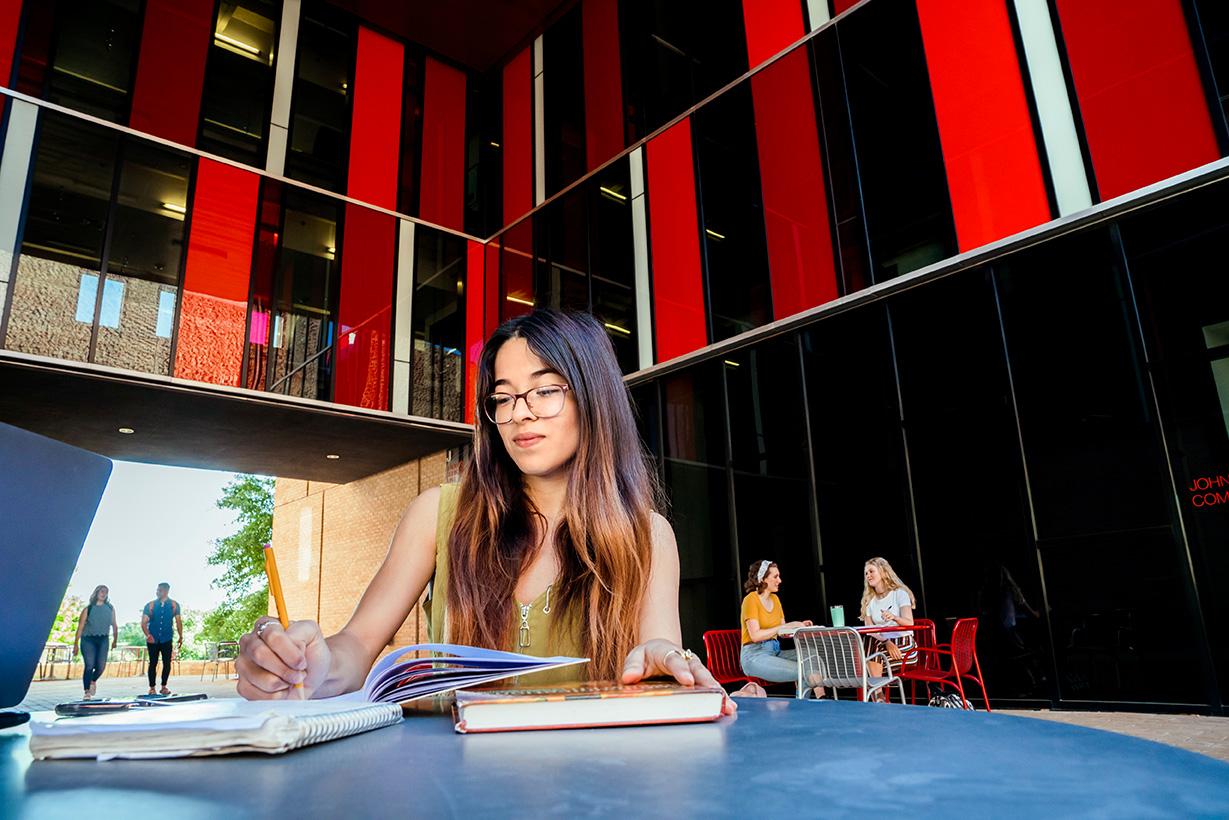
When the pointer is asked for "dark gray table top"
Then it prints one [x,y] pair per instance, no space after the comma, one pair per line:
[777,758]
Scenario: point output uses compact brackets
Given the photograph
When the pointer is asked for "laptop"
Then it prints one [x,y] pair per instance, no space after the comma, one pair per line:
[49,493]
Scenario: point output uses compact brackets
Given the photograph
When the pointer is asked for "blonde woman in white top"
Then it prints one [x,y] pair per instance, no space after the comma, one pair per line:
[887,601]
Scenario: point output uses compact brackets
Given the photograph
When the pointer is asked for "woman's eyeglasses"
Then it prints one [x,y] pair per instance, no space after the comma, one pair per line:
[544,402]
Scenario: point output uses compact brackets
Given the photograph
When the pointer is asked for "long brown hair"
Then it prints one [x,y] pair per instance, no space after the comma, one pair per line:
[604,538]
[98,589]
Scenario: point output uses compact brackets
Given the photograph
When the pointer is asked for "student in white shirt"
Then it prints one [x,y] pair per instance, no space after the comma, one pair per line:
[886,601]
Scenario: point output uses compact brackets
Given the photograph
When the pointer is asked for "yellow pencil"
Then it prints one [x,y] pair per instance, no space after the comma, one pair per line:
[275,588]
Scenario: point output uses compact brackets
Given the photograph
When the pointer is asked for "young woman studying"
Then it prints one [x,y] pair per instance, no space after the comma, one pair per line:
[549,545]
[763,621]
[886,601]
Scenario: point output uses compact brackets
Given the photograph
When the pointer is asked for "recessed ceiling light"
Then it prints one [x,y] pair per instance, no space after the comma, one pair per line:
[127,431]
[333,456]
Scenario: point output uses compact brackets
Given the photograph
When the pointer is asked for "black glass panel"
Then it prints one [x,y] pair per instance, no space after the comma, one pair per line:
[904,186]
[1089,435]
[611,262]
[861,485]
[320,113]
[732,213]
[564,109]
[841,163]
[94,55]
[561,267]
[696,482]
[674,54]
[1174,253]
[238,91]
[772,485]
[971,506]
[483,155]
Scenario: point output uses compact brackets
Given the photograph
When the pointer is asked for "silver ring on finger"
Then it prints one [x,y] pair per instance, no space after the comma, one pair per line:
[261,627]
[686,654]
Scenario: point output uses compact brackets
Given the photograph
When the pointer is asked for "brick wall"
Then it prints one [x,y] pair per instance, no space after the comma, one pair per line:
[331,538]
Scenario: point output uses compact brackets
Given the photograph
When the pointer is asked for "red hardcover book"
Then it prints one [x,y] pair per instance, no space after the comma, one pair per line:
[585,705]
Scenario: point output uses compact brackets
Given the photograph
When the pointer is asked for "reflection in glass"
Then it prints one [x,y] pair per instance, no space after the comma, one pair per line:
[301,327]
[1175,255]
[143,260]
[969,497]
[55,286]
[438,325]
[238,91]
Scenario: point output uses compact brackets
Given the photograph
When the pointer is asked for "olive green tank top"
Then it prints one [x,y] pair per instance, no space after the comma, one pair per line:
[541,629]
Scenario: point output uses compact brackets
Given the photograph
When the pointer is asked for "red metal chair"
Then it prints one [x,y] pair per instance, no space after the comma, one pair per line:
[923,638]
[963,654]
[723,648]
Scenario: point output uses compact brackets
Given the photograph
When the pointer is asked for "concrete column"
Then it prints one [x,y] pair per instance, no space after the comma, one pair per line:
[283,87]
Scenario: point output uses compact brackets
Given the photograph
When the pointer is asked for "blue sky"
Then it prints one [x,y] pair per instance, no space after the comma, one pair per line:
[154,524]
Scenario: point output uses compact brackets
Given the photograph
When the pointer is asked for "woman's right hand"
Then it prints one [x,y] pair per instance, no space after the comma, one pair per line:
[75,648]
[273,660]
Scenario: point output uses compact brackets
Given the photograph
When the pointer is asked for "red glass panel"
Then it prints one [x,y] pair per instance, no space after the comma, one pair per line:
[475,292]
[1140,96]
[10,23]
[267,240]
[166,99]
[678,292]
[839,6]
[375,129]
[442,197]
[365,312]
[518,137]
[213,310]
[771,25]
[994,171]
[36,32]
[603,81]
[800,253]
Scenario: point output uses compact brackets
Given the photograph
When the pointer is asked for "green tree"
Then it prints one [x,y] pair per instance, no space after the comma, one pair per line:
[64,629]
[241,557]
[131,634]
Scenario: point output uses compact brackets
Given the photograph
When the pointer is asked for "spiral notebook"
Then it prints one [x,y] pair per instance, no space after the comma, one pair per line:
[213,727]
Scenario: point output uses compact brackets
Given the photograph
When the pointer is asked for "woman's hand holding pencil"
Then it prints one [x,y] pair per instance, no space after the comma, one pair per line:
[279,659]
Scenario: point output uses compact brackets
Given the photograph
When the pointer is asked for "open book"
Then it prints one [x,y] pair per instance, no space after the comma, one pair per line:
[227,725]
[396,679]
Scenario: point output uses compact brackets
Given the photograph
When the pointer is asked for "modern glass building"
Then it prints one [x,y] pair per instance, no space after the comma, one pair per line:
[942,282]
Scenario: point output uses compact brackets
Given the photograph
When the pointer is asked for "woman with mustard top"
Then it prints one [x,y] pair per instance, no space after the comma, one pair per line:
[763,620]
[549,545]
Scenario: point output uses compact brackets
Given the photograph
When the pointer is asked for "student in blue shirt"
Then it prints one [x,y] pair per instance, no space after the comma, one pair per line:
[156,621]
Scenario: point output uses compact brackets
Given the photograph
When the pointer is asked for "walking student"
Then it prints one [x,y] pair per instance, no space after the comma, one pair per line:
[156,623]
[92,625]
